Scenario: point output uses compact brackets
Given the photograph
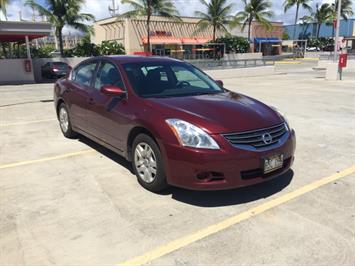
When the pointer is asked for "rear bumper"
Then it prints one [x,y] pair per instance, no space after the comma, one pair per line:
[227,168]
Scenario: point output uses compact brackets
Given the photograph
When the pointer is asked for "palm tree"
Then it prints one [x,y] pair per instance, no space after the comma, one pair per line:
[218,16]
[148,8]
[3,4]
[258,10]
[346,11]
[323,14]
[298,3]
[63,13]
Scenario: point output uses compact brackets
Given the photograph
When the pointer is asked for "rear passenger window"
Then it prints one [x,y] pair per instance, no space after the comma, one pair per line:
[84,74]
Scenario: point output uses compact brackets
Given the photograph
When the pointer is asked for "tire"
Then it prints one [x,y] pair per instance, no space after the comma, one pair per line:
[148,164]
[64,122]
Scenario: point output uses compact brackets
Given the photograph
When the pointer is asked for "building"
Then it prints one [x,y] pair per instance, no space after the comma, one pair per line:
[309,30]
[167,37]
[69,41]
[267,42]
[20,32]
[179,39]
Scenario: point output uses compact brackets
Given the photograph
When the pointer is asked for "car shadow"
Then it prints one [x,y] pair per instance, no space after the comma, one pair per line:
[232,197]
[208,199]
[107,153]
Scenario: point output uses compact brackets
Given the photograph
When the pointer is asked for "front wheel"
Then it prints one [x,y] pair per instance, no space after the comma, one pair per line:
[64,122]
[148,164]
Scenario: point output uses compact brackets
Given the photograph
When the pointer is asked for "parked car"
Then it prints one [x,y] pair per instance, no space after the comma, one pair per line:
[174,123]
[53,70]
[329,48]
[313,49]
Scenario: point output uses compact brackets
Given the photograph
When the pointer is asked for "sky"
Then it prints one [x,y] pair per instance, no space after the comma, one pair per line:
[99,8]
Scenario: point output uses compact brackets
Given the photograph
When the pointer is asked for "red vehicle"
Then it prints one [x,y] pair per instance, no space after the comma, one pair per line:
[174,123]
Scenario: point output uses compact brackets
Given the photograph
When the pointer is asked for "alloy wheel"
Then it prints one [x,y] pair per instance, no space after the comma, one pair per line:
[64,119]
[145,162]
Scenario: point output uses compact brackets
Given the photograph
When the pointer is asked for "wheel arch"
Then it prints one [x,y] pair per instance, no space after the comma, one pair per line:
[133,134]
[59,102]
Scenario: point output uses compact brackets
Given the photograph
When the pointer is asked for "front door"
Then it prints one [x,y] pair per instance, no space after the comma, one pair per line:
[79,93]
[106,115]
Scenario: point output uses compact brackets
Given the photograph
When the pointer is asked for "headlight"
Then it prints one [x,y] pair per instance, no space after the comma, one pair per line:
[283,116]
[191,136]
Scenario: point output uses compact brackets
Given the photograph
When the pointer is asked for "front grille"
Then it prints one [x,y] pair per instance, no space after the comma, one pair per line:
[259,138]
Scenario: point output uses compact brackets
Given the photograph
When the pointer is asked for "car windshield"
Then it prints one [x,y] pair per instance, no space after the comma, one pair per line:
[164,80]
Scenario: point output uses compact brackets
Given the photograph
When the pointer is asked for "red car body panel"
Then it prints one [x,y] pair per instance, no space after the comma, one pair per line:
[111,121]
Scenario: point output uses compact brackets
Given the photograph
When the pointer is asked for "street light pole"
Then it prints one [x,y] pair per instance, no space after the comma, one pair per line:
[336,45]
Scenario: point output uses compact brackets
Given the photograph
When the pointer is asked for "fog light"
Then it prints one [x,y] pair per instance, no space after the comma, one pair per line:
[203,175]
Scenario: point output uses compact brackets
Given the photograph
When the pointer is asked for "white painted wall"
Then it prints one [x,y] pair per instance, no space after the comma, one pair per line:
[245,56]
[12,71]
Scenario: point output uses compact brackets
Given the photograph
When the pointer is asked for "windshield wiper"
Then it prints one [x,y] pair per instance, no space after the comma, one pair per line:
[205,93]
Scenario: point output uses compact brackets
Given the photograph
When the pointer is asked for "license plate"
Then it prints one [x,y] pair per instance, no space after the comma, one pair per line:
[273,163]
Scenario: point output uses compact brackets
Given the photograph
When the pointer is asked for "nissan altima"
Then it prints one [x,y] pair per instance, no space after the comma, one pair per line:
[174,123]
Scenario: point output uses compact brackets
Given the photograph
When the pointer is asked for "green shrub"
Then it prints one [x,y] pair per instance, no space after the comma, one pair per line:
[234,44]
[111,48]
[320,43]
[42,52]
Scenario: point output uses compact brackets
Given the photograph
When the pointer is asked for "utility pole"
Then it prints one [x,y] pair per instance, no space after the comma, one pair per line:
[336,45]
[113,9]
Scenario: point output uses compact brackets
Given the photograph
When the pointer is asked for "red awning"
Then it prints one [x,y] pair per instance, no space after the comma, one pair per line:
[189,41]
[203,40]
[161,40]
[174,40]
[18,37]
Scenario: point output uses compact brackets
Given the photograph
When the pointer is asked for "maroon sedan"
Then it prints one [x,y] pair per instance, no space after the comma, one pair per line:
[174,123]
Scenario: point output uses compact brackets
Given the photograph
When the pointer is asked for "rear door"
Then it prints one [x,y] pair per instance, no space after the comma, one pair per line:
[79,93]
[107,115]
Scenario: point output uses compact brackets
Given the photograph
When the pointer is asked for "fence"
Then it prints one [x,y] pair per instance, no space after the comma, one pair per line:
[224,64]
[330,56]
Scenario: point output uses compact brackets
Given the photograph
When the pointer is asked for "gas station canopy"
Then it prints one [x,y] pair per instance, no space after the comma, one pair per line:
[17,31]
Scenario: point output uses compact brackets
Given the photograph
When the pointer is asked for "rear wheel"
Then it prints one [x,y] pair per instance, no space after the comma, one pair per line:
[64,122]
[147,164]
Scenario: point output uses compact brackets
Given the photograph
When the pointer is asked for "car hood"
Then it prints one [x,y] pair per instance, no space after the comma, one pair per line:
[218,113]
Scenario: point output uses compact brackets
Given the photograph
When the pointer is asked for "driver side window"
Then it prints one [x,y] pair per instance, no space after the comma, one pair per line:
[84,73]
[108,75]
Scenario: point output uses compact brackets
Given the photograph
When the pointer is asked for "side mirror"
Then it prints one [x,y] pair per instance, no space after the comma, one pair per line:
[220,83]
[111,90]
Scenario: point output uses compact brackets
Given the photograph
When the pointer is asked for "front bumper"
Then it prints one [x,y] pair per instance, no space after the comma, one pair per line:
[227,168]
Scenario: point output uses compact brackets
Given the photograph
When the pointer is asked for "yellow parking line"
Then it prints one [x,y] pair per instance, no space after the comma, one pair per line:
[287,63]
[58,157]
[26,122]
[310,59]
[213,229]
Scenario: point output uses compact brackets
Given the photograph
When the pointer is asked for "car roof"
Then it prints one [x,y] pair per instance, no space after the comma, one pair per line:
[123,59]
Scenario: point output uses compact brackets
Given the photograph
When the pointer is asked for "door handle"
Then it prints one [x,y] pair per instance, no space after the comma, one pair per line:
[91,101]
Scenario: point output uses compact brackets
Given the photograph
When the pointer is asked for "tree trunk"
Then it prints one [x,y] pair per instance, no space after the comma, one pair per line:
[148,35]
[214,33]
[296,20]
[333,33]
[60,39]
[149,13]
[318,30]
[214,40]
[249,29]
[249,33]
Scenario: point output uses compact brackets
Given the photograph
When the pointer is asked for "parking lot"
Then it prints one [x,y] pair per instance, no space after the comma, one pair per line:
[72,202]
